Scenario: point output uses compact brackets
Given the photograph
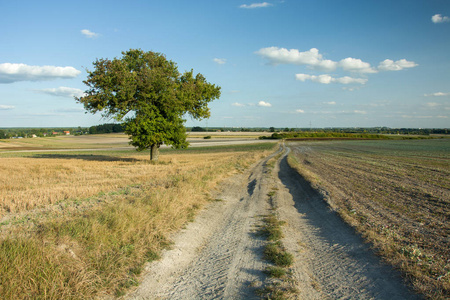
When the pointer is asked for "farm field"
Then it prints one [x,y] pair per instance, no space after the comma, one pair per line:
[396,194]
[118,141]
[81,224]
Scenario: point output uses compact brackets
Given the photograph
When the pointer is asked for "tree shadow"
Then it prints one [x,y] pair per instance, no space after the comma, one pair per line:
[88,157]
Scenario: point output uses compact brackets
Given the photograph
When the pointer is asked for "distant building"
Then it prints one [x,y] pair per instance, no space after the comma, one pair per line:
[67,132]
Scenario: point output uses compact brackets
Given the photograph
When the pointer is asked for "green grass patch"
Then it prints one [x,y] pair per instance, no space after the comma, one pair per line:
[276,253]
[277,272]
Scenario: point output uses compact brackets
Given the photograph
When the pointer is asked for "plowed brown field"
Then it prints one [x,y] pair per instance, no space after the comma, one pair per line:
[396,193]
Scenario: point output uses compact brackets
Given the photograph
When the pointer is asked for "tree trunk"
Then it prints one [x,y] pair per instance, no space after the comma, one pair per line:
[154,152]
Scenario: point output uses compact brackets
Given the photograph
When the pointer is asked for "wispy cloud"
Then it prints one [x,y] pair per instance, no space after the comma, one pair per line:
[360,112]
[300,111]
[331,103]
[256,5]
[220,61]
[6,107]
[63,91]
[238,104]
[438,18]
[264,104]
[423,117]
[89,34]
[438,94]
[21,72]
[327,79]
[70,110]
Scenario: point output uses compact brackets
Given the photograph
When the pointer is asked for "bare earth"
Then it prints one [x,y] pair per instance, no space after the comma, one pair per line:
[219,255]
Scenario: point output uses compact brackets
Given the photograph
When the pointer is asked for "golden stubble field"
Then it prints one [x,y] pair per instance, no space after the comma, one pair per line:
[80,224]
[396,194]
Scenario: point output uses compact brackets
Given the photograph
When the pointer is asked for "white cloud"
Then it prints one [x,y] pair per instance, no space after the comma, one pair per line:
[432,104]
[356,65]
[6,107]
[264,104]
[438,18]
[89,34]
[390,65]
[438,94]
[327,79]
[256,5]
[21,72]
[300,111]
[331,103]
[220,61]
[310,58]
[63,91]
[238,104]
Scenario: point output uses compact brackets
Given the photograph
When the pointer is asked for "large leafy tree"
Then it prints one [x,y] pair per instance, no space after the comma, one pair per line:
[146,92]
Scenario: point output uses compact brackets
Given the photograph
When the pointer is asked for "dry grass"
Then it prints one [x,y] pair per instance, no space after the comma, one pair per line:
[117,215]
[396,193]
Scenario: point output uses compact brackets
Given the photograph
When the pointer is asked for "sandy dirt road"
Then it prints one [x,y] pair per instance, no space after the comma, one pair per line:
[220,255]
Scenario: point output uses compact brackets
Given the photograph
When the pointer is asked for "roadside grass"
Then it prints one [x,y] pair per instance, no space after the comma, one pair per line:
[396,194]
[95,244]
[281,285]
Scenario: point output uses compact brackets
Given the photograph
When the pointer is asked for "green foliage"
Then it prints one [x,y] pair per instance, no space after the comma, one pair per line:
[197,129]
[275,253]
[277,272]
[106,128]
[147,93]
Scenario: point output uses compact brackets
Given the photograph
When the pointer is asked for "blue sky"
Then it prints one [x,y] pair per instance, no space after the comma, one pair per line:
[291,63]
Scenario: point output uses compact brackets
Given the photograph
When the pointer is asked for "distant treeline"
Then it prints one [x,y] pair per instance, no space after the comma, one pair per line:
[7,133]
[364,130]
[323,135]
[106,128]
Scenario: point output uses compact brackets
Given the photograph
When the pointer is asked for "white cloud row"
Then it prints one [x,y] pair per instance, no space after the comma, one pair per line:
[6,107]
[438,18]
[326,79]
[256,5]
[21,72]
[260,103]
[63,91]
[312,58]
